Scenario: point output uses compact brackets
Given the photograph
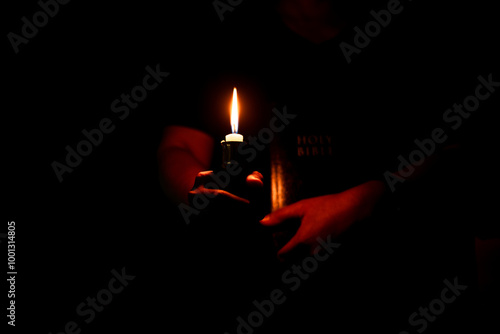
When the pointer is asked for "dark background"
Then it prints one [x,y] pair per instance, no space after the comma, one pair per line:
[109,212]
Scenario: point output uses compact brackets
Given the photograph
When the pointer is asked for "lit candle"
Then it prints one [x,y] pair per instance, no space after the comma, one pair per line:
[234,136]
[234,139]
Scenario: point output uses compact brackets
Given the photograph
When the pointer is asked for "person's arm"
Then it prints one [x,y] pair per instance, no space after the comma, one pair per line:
[182,154]
[330,215]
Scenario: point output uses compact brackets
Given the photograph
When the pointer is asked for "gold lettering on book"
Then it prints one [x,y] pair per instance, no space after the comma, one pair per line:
[314,145]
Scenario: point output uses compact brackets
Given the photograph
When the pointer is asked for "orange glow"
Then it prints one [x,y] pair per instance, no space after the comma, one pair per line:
[278,198]
[234,112]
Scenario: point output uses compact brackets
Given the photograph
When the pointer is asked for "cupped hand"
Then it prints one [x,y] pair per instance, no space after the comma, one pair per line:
[205,185]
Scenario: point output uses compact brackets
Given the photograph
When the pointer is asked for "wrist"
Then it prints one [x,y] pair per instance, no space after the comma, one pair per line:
[367,195]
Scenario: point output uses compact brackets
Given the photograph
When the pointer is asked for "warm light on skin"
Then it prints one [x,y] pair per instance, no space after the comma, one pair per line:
[234,112]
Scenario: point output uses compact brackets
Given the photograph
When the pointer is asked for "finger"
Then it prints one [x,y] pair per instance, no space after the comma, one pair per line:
[255,180]
[212,193]
[288,212]
[202,178]
[231,196]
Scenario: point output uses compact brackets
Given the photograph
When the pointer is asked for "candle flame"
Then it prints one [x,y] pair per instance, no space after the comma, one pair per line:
[234,112]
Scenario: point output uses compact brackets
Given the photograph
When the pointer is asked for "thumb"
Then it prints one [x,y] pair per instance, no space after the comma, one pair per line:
[292,211]
[255,180]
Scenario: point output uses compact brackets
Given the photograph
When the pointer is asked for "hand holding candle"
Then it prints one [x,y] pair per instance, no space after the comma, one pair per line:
[235,183]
